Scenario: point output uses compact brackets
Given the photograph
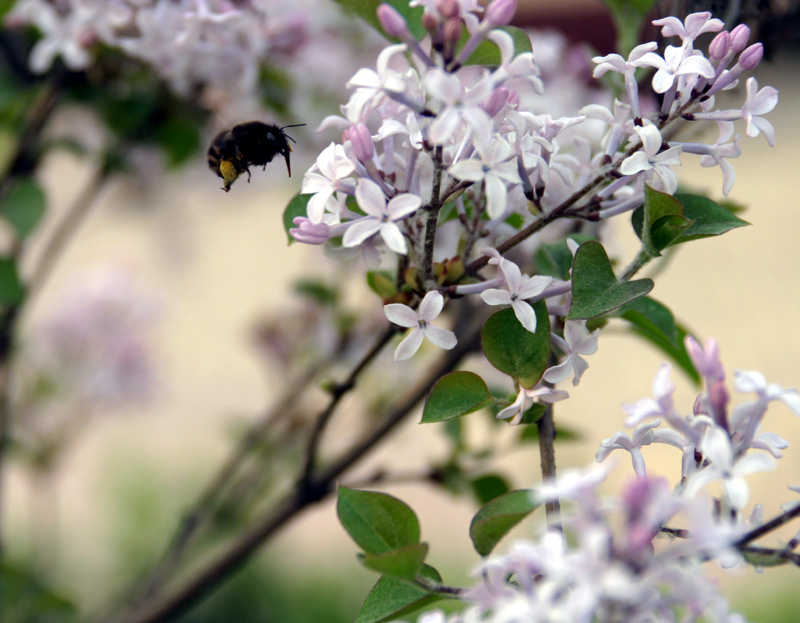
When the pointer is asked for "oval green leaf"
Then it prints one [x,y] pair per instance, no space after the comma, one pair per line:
[514,350]
[493,521]
[11,288]
[455,394]
[404,563]
[595,289]
[392,598]
[708,218]
[379,523]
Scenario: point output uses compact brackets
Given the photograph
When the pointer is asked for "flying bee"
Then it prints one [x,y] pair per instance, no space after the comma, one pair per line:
[254,143]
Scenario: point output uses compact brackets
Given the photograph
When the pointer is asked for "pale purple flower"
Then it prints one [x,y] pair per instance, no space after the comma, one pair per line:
[676,62]
[525,399]
[655,164]
[660,405]
[308,232]
[382,216]
[695,25]
[724,466]
[420,323]
[495,169]
[328,175]
[643,435]
[577,341]
[642,55]
[518,289]
[461,104]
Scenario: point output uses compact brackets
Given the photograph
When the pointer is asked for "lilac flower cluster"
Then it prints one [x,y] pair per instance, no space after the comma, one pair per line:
[637,557]
[214,48]
[426,131]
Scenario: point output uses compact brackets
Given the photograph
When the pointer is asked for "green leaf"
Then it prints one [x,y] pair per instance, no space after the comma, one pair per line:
[514,350]
[367,10]
[709,218]
[493,521]
[487,53]
[317,291]
[23,206]
[659,222]
[392,598]
[25,597]
[629,17]
[555,260]
[404,563]
[488,487]
[379,523]
[455,394]
[179,137]
[650,316]
[595,289]
[11,289]
[381,283]
[296,207]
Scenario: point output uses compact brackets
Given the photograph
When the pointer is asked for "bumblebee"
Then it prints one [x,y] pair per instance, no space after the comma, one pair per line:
[234,151]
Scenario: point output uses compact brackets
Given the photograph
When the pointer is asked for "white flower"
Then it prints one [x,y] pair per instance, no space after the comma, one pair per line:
[519,288]
[324,179]
[525,399]
[655,165]
[381,216]
[420,320]
[495,168]
[577,341]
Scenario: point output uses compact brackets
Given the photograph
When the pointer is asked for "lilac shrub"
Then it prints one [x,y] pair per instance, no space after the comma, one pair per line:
[454,181]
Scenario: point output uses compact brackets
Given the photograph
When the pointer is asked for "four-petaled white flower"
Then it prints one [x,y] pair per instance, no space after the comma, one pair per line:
[381,216]
[654,162]
[325,178]
[420,324]
[525,399]
[577,341]
[518,289]
[495,168]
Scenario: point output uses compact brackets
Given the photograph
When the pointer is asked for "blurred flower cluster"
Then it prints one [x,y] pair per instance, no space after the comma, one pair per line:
[92,353]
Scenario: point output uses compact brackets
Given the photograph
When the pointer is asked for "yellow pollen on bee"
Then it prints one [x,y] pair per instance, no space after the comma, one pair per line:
[228,171]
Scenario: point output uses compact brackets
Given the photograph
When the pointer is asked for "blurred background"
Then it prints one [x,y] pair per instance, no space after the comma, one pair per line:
[203,277]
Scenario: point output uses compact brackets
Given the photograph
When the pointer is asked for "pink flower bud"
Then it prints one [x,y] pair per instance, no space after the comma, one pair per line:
[751,57]
[500,12]
[494,104]
[739,37]
[720,45]
[447,8]
[430,21]
[391,21]
[719,397]
[309,233]
[361,140]
[452,31]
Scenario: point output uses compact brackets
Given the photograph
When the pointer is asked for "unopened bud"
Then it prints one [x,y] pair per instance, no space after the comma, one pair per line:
[500,12]
[751,57]
[447,8]
[308,232]
[361,141]
[391,21]
[430,21]
[719,397]
[452,32]
[739,37]
[720,45]
[497,100]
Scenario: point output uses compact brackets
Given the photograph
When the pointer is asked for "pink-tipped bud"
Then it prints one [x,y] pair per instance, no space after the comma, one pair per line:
[739,37]
[719,397]
[751,57]
[391,21]
[720,45]
[309,233]
[447,8]
[497,100]
[361,141]
[430,21]
[452,32]
[500,12]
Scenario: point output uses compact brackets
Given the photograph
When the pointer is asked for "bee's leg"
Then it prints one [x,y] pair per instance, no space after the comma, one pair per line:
[247,170]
